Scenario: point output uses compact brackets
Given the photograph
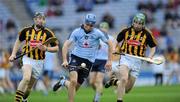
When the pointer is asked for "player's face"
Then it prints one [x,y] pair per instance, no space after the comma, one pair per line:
[39,21]
[137,25]
[88,27]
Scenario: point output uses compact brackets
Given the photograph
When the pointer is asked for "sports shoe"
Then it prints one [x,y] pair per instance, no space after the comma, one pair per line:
[59,83]
[110,82]
[107,84]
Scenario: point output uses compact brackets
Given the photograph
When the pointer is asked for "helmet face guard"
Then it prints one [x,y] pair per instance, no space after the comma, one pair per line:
[90,19]
[37,17]
[39,14]
[139,18]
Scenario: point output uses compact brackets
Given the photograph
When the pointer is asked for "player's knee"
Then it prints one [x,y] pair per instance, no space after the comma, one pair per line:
[91,82]
[123,80]
[98,83]
[73,82]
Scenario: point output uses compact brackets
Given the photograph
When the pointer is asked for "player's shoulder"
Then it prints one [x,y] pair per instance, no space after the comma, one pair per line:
[25,28]
[96,30]
[48,30]
[148,31]
[124,28]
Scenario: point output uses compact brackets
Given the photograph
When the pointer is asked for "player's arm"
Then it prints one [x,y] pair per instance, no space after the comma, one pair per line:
[105,38]
[65,52]
[110,50]
[20,38]
[65,47]
[53,47]
[151,41]
[120,38]
[152,52]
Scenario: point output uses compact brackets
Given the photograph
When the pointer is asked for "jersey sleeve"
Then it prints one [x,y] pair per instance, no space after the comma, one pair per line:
[121,35]
[72,36]
[104,36]
[51,34]
[151,41]
[22,34]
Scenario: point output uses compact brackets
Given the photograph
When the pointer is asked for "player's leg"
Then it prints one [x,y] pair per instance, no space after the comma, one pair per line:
[122,76]
[29,88]
[130,83]
[100,70]
[99,86]
[92,79]
[27,70]
[72,86]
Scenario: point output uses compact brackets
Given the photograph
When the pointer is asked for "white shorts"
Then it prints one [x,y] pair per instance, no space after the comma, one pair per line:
[37,66]
[133,64]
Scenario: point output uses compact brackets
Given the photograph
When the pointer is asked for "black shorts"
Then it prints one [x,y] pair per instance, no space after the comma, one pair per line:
[98,66]
[82,73]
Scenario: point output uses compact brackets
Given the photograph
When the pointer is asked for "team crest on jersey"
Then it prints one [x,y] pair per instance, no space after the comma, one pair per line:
[134,42]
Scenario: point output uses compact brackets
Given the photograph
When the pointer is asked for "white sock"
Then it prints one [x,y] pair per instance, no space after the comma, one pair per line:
[97,97]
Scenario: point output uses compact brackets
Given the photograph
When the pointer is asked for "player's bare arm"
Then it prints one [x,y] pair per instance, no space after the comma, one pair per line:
[152,52]
[15,49]
[108,65]
[65,51]
[48,48]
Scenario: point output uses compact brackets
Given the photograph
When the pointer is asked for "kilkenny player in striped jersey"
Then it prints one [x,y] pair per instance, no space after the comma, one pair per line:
[32,67]
[135,40]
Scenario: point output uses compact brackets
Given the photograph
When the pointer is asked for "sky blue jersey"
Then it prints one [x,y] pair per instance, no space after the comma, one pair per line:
[102,52]
[86,44]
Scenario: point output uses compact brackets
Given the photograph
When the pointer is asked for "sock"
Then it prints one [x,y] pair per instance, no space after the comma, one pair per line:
[19,96]
[114,81]
[97,97]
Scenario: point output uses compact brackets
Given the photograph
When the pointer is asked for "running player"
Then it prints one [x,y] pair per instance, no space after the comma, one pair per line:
[135,40]
[98,69]
[87,40]
[32,67]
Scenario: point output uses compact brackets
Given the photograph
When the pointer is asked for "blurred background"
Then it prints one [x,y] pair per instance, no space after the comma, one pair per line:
[163,19]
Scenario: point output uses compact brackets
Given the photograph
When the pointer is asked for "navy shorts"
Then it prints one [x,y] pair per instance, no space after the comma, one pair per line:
[82,73]
[98,66]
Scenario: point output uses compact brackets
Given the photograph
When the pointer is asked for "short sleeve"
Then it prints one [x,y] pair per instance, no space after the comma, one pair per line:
[121,35]
[72,36]
[51,34]
[151,41]
[22,34]
[104,36]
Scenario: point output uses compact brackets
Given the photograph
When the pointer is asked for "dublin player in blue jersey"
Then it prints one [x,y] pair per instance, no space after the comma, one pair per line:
[98,69]
[86,40]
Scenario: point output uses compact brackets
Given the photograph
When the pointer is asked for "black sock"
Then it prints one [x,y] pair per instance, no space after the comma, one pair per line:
[19,95]
[119,101]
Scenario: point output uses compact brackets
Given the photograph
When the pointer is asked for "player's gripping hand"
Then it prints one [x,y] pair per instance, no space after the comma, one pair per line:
[65,64]
[12,57]
[108,65]
[41,47]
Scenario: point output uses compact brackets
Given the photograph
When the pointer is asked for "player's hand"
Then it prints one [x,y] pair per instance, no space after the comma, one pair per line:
[12,57]
[108,65]
[65,64]
[41,47]
[150,58]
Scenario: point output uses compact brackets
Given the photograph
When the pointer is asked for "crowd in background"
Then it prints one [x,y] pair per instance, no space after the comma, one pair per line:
[167,43]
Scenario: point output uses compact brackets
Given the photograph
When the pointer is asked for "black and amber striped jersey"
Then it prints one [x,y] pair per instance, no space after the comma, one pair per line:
[135,43]
[32,37]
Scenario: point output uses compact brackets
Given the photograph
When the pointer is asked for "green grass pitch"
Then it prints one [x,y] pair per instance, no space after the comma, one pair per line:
[138,94]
